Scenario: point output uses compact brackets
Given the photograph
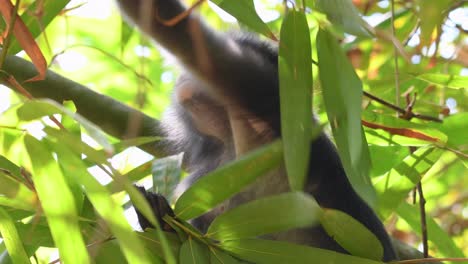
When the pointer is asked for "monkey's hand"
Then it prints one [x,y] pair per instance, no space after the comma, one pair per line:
[160,208]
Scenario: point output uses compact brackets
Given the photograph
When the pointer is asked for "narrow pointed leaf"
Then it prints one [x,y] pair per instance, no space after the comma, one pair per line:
[342,94]
[263,216]
[295,71]
[12,239]
[278,252]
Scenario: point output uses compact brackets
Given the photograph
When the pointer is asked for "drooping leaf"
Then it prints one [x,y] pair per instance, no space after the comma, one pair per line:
[262,216]
[278,252]
[342,94]
[12,239]
[295,71]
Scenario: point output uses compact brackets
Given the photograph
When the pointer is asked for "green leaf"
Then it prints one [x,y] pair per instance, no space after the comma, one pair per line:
[445,80]
[12,239]
[244,11]
[193,252]
[262,216]
[206,193]
[61,213]
[342,94]
[394,186]
[295,71]
[278,252]
[344,14]
[30,18]
[350,234]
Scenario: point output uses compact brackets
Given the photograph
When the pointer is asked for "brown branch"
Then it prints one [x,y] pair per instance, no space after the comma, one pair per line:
[407,113]
[422,210]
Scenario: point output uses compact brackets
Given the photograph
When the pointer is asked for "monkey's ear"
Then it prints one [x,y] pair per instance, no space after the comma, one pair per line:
[160,208]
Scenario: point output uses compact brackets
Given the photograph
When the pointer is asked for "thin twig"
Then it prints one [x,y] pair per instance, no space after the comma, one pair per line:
[402,111]
[395,54]
[422,209]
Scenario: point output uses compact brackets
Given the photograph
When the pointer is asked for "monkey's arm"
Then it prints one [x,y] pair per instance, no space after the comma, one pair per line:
[233,71]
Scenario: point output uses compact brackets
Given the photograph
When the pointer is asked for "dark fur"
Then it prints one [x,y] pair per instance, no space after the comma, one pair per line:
[226,104]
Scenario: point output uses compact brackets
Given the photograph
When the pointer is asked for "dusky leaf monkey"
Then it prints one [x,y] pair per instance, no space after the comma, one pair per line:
[225,104]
